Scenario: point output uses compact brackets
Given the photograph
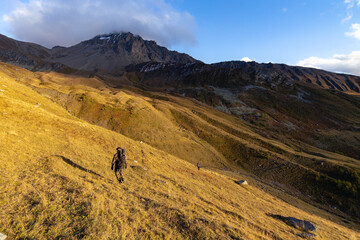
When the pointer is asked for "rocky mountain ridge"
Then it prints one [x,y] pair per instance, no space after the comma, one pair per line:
[23,54]
[112,52]
[109,52]
[236,74]
[117,53]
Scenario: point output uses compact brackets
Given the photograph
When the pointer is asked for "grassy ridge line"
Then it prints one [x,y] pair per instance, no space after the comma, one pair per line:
[44,197]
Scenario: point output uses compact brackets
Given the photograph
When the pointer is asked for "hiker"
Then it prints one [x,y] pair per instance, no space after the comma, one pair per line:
[119,163]
[198,165]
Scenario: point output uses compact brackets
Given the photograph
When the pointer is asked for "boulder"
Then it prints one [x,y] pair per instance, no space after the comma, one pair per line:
[300,224]
[296,223]
[242,182]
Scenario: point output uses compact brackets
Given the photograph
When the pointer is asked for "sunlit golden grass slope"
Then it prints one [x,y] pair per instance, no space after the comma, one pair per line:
[138,117]
[196,132]
[56,183]
[149,118]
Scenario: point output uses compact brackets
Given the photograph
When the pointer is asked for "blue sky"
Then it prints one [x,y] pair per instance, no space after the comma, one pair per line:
[318,33]
[276,31]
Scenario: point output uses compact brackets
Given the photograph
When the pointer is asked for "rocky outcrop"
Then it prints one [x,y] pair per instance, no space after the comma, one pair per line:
[296,223]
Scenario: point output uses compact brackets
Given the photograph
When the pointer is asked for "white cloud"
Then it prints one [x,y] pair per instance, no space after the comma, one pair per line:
[351,3]
[338,63]
[246,59]
[355,31]
[348,17]
[67,22]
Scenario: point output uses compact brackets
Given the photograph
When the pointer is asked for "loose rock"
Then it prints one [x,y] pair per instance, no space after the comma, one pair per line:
[242,182]
[296,223]
[2,236]
[300,224]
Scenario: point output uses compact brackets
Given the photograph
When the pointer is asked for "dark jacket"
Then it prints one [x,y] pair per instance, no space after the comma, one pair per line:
[119,161]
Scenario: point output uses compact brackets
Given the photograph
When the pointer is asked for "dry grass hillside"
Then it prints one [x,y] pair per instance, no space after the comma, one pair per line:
[196,132]
[56,181]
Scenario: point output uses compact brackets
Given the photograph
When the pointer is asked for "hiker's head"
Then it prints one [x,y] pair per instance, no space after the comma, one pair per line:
[118,149]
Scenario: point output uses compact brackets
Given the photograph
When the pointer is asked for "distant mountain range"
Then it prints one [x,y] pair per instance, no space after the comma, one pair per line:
[158,66]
